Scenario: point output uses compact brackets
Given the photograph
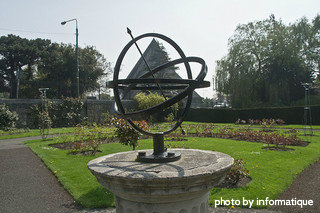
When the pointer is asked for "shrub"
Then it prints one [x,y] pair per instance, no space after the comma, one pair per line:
[125,133]
[146,101]
[7,118]
[176,136]
[170,117]
[254,122]
[267,124]
[236,173]
[44,123]
[35,111]
[239,121]
[66,113]
[86,140]
[106,118]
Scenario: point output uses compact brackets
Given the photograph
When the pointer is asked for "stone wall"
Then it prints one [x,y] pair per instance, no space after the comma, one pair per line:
[22,107]
[92,109]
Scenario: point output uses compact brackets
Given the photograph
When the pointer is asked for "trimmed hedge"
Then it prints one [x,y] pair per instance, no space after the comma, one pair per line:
[291,115]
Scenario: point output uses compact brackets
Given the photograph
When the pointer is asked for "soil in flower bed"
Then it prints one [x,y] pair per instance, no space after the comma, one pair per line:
[86,152]
[70,145]
[301,143]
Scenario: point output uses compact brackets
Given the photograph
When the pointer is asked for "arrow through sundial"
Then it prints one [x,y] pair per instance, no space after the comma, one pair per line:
[150,71]
[145,61]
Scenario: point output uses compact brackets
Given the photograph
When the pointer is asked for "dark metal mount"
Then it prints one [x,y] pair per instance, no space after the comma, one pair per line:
[160,153]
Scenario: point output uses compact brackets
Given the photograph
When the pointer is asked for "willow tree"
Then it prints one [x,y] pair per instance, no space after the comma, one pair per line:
[266,63]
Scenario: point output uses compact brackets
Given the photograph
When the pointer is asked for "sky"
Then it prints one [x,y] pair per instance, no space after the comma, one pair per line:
[200,27]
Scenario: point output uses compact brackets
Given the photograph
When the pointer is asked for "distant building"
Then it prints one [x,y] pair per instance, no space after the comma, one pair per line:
[221,101]
[155,55]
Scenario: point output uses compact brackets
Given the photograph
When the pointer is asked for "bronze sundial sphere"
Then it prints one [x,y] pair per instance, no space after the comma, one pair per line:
[144,82]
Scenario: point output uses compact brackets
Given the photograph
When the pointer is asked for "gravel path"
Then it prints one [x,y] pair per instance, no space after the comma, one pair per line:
[26,185]
[305,187]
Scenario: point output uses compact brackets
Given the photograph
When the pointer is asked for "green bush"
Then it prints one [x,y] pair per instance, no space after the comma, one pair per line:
[125,133]
[66,113]
[146,101]
[235,174]
[44,123]
[7,118]
[106,118]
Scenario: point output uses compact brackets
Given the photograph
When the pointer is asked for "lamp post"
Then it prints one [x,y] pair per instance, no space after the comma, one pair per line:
[77,56]
[307,109]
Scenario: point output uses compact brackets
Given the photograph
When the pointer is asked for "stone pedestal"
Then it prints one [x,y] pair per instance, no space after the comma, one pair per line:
[176,187]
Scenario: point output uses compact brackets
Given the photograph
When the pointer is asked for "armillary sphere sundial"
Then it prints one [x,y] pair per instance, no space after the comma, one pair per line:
[149,82]
[158,180]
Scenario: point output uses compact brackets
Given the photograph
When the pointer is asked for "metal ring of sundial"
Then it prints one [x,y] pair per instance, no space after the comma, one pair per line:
[187,86]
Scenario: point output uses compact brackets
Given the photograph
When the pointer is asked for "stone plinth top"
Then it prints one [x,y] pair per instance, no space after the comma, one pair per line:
[192,163]
[196,170]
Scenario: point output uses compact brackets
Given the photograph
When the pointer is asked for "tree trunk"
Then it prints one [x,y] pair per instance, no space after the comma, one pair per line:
[13,88]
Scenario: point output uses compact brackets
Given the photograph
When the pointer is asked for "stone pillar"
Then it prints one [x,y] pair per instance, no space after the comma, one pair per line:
[176,187]
[191,205]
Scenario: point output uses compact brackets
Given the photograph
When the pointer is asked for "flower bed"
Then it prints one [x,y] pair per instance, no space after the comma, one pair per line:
[246,134]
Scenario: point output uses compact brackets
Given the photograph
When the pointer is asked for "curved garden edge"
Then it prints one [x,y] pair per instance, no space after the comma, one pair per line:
[272,172]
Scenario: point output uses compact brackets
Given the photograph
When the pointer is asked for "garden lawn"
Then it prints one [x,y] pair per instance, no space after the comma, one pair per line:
[72,172]
[271,171]
[33,132]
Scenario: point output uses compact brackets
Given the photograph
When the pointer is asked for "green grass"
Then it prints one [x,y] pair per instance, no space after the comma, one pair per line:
[298,126]
[271,171]
[33,132]
[72,172]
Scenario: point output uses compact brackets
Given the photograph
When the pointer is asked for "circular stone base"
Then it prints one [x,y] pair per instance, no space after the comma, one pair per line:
[181,186]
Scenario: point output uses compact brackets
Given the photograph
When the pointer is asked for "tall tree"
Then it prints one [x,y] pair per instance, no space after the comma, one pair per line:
[58,70]
[307,36]
[45,64]
[17,54]
[266,63]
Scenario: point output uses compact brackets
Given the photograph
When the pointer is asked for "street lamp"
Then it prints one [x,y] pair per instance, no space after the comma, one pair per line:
[77,56]
[307,109]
